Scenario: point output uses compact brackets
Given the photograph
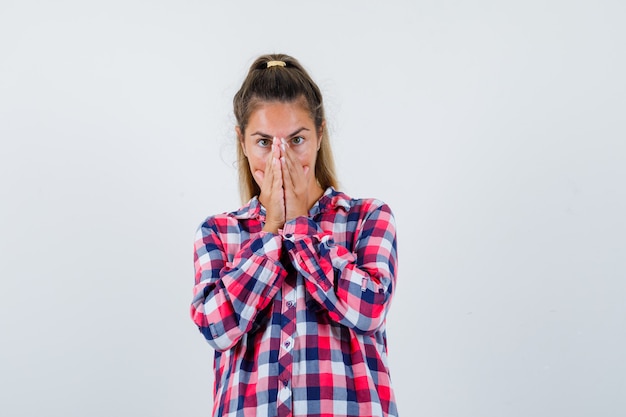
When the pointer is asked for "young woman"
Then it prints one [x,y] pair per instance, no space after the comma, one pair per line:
[292,289]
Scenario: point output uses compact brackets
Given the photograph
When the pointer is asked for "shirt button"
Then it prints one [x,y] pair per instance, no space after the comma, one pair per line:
[288,235]
[290,304]
[288,344]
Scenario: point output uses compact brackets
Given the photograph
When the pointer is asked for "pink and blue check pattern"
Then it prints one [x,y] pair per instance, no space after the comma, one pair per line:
[297,319]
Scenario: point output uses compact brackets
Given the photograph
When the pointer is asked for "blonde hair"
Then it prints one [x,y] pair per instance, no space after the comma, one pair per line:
[281,83]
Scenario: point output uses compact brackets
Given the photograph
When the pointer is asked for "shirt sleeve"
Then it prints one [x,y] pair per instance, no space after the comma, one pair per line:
[229,296]
[355,287]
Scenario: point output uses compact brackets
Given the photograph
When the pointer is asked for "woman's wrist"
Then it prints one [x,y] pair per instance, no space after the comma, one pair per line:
[271,227]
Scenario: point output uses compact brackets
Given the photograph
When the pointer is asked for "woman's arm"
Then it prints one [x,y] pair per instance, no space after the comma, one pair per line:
[355,287]
[228,296]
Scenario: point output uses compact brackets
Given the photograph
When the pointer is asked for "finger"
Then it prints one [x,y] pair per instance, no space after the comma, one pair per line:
[259,175]
[287,179]
[265,177]
[277,173]
[278,191]
[273,156]
[283,163]
[292,169]
[276,148]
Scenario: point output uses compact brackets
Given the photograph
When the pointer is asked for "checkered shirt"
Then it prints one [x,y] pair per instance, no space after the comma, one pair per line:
[297,318]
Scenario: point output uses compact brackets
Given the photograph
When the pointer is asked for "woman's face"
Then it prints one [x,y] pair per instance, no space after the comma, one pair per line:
[281,120]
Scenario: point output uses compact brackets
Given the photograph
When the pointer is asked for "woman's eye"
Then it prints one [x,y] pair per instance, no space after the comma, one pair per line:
[297,140]
[264,142]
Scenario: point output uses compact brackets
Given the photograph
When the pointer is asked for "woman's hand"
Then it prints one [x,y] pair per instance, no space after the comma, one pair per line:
[295,184]
[272,195]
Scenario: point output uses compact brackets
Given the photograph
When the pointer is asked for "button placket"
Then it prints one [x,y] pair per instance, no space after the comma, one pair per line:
[287,344]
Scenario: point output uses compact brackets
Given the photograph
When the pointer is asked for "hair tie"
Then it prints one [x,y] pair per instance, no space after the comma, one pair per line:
[276,64]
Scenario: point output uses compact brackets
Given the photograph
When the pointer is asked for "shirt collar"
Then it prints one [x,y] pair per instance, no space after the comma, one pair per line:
[252,210]
[330,200]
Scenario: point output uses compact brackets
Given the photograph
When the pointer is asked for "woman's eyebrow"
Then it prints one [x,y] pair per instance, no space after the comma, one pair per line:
[265,135]
[298,131]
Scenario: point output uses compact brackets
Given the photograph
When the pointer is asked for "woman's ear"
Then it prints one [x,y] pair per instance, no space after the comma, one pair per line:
[240,140]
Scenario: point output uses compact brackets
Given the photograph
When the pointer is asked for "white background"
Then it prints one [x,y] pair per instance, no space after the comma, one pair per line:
[495,130]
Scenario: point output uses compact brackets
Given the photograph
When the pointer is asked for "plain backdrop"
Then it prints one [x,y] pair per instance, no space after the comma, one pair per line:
[495,130]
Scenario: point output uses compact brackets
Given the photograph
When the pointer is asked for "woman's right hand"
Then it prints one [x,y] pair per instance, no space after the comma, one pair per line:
[272,194]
